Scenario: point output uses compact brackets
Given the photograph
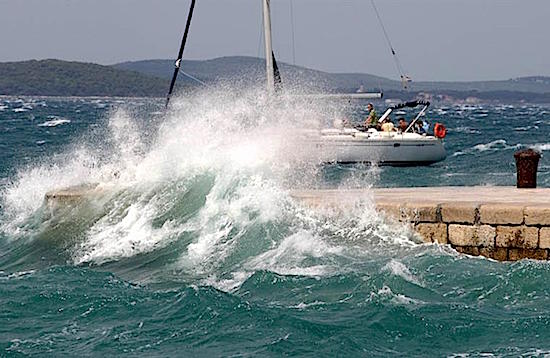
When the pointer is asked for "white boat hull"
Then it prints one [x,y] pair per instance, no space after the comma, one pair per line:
[352,146]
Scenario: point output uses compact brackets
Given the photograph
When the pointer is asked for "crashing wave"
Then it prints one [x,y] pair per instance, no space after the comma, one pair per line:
[206,194]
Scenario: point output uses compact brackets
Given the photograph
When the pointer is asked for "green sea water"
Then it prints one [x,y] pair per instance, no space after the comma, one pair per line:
[195,247]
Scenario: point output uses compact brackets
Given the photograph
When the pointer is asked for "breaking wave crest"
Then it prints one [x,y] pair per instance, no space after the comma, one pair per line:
[204,197]
[494,146]
[54,122]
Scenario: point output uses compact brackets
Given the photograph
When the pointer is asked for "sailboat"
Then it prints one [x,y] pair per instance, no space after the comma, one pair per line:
[351,145]
[355,145]
[384,147]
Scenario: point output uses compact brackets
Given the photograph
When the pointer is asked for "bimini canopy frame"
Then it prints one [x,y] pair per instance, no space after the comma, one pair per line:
[411,104]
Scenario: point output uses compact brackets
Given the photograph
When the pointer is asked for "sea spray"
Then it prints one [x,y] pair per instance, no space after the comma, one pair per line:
[215,185]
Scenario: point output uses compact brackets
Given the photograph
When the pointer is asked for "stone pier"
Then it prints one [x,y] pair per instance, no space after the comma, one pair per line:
[502,223]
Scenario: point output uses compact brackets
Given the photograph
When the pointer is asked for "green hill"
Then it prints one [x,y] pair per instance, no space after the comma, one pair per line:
[246,71]
[150,78]
[251,69]
[64,78]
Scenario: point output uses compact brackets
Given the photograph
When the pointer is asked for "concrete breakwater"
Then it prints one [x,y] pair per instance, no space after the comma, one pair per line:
[502,223]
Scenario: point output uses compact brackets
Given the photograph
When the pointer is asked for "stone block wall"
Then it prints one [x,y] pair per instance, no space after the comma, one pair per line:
[503,231]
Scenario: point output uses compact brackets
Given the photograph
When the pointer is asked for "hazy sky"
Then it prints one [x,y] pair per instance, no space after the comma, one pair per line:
[435,39]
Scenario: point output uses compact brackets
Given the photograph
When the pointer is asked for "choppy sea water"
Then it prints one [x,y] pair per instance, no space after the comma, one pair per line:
[196,248]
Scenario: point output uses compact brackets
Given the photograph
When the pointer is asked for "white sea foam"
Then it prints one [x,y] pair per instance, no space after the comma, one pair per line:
[467,130]
[526,128]
[16,275]
[24,196]
[288,257]
[228,284]
[499,144]
[385,294]
[468,107]
[401,299]
[302,305]
[55,122]
[540,146]
[131,235]
[399,269]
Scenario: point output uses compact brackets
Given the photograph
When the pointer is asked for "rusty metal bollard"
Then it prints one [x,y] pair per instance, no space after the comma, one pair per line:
[527,161]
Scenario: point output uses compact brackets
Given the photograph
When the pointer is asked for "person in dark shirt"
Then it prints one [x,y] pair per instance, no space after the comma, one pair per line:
[402,125]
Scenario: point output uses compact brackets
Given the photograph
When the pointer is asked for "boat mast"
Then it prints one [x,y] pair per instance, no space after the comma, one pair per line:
[268,47]
[180,54]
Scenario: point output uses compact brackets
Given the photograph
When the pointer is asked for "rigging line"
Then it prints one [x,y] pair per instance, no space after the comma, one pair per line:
[386,35]
[400,70]
[193,78]
[293,33]
[180,54]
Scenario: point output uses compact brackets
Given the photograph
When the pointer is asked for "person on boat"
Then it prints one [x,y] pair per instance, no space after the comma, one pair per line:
[426,127]
[402,125]
[372,119]
[388,126]
[420,127]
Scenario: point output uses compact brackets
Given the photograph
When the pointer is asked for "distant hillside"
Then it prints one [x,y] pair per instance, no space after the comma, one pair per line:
[538,84]
[151,78]
[251,69]
[63,78]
